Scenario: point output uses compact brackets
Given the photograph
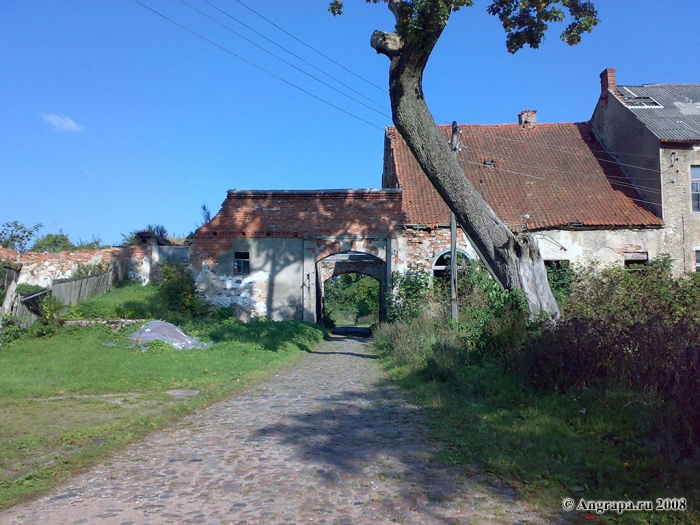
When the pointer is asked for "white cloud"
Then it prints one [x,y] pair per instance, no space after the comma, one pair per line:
[60,123]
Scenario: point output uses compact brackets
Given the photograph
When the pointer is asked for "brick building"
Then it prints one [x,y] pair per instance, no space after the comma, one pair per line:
[268,253]
[653,131]
[622,188]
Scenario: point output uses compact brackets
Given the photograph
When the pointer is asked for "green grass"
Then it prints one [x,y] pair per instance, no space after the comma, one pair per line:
[552,446]
[69,400]
[130,301]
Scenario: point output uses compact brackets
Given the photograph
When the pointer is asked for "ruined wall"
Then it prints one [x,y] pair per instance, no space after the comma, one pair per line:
[417,249]
[633,146]
[297,214]
[284,234]
[606,246]
[661,173]
[42,268]
[272,286]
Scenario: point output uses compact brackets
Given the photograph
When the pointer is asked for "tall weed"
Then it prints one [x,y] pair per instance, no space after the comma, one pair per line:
[631,330]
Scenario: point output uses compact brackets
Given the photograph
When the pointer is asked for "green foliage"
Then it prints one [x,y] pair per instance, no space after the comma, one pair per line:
[636,330]
[16,236]
[53,242]
[352,298]
[560,276]
[178,290]
[328,319]
[154,231]
[410,293]
[174,299]
[420,22]
[84,270]
[94,244]
[10,330]
[25,288]
[603,403]
[492,321]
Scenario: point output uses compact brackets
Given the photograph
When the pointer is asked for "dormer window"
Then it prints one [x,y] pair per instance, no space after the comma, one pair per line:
[695,187]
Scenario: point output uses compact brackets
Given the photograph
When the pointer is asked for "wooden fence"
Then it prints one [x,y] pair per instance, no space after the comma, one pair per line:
[67,291]
[73,291]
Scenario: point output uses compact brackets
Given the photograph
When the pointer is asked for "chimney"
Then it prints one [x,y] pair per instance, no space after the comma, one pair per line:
[527,119]
[607,80]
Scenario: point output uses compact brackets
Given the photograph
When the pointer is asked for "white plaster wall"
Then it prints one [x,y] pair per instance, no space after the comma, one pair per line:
[274,286]
[606,246]
[44,273]
[419,249]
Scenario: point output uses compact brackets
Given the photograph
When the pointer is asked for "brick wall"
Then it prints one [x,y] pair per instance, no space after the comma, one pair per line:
[43,268]
[417,249]
[302,214]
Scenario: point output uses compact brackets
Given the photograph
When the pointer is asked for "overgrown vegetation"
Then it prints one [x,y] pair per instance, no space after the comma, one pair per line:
[74,396]
[352,299]
[173,299]
[605,406]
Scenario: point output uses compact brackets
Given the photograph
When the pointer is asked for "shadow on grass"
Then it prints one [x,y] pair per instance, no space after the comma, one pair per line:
[551,446]
[270,335]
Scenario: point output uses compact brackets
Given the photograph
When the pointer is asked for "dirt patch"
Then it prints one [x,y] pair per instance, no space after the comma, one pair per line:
[36,431]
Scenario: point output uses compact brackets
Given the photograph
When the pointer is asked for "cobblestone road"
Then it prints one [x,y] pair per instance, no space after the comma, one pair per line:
[327,441]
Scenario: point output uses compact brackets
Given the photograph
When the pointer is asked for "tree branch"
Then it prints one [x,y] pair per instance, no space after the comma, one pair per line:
[394,7]
[388,44]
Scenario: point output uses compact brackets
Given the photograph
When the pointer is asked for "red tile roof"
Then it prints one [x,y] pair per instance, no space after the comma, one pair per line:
[549,176]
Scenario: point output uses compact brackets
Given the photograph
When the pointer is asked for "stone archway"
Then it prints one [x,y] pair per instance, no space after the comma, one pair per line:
[351,262]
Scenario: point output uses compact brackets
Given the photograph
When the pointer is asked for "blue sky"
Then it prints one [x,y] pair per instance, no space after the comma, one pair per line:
[112,118]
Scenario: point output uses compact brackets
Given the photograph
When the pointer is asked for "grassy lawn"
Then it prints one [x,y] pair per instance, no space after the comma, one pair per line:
[69,400]
[550,446]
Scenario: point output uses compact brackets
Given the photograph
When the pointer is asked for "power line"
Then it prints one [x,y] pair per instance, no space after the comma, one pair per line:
[383,90]
[294,55]
[256,66]
[620,180]
[283,60]
[564,150]
[546,180]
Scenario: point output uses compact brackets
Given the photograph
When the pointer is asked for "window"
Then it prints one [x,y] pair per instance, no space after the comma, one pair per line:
[441,268]
[635,260]
[695,187]
[241,263]
[697,260]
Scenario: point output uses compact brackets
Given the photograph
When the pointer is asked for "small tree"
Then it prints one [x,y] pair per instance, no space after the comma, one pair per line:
[16,236]
[53,242]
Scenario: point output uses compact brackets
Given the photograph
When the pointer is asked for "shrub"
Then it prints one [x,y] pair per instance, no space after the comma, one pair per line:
[10,330]
[178,290]
[410,293]
[633,330]
[84,270]
[29,288]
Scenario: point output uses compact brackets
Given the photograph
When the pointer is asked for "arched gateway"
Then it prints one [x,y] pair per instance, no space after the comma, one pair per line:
[352,262]
[268,253]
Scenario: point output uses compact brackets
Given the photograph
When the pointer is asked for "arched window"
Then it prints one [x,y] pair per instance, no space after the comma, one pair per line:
[441,266]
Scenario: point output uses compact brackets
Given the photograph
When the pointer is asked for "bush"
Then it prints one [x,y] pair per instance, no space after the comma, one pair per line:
[10,330]
[633,330]
[410,294]
[178,290]
[29,288]
[84,270]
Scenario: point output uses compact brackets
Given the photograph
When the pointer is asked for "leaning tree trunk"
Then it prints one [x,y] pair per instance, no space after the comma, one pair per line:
[513,260]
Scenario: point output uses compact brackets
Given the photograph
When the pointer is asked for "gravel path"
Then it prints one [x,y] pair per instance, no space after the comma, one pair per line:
[328,441]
